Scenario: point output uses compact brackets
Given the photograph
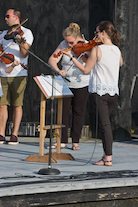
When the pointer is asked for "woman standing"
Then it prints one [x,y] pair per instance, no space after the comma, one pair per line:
[104,62]
[78,85]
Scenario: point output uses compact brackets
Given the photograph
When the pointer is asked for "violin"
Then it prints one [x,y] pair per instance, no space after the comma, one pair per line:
[8,58]
[13,34]
[15,30]
[80,48]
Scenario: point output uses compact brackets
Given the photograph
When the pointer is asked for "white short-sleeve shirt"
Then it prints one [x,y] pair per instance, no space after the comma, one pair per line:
[15,50]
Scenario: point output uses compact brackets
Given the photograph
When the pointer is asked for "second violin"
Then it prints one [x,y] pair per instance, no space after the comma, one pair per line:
[8,58]
[80,48]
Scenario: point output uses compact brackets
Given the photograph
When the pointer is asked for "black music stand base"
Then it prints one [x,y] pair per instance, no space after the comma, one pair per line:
[49,171]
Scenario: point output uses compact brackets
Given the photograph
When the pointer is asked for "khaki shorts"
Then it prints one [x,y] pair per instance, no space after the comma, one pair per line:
[13,90]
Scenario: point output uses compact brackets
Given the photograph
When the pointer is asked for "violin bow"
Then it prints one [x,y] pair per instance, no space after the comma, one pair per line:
[83,37]
[77,59]
[25,20]
[6,49]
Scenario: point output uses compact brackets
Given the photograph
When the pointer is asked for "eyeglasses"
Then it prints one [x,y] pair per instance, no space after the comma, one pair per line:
[96,32]
[71,43]
[12,15]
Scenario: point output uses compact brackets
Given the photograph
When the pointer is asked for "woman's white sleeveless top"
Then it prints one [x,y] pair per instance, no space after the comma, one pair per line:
[104,76]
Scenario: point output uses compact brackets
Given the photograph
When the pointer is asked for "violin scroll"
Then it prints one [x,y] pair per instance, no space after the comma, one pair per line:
[57,55]
[61,52]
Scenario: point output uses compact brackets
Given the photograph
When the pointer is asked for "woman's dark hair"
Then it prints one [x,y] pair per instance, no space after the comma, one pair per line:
[108,27]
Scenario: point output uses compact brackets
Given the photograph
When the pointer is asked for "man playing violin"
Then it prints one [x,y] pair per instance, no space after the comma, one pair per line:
[14,83]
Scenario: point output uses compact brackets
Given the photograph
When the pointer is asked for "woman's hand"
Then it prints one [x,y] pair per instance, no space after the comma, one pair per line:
[68,54]
[63,72]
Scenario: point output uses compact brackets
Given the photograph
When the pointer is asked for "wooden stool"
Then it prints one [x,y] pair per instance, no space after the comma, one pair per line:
[43,130]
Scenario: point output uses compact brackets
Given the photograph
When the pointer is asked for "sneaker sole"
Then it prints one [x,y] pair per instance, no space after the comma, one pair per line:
[13,143]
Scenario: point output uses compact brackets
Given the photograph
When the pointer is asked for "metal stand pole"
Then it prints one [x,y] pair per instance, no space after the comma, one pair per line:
[49,170]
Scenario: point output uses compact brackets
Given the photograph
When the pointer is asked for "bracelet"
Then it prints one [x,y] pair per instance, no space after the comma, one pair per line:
[71,58]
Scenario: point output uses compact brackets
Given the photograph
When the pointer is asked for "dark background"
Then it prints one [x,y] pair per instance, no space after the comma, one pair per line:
[47,19]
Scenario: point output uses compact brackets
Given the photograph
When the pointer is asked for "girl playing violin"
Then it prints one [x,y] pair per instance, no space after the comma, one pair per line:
[103,63]
[78,85]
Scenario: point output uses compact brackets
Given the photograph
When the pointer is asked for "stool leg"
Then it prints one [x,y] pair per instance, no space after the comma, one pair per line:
[42,124]
[59,121]
[58,134]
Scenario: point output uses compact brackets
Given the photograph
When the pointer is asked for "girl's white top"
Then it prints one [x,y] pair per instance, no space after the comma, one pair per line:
[76,77]
[104,76]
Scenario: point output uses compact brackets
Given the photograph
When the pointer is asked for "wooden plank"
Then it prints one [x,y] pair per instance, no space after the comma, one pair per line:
[42,124]
[59,121]
[39,158]
[54,126]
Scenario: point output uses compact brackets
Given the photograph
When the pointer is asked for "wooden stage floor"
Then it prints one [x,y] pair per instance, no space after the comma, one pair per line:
[79,180]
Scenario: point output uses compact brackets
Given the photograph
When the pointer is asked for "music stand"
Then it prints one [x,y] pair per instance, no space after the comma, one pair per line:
[49,170]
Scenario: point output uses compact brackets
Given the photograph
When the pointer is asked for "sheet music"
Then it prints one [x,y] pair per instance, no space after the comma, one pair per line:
[59,88]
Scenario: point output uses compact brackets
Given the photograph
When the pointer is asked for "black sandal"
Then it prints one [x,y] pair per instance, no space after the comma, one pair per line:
[108,161]
[104,162]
